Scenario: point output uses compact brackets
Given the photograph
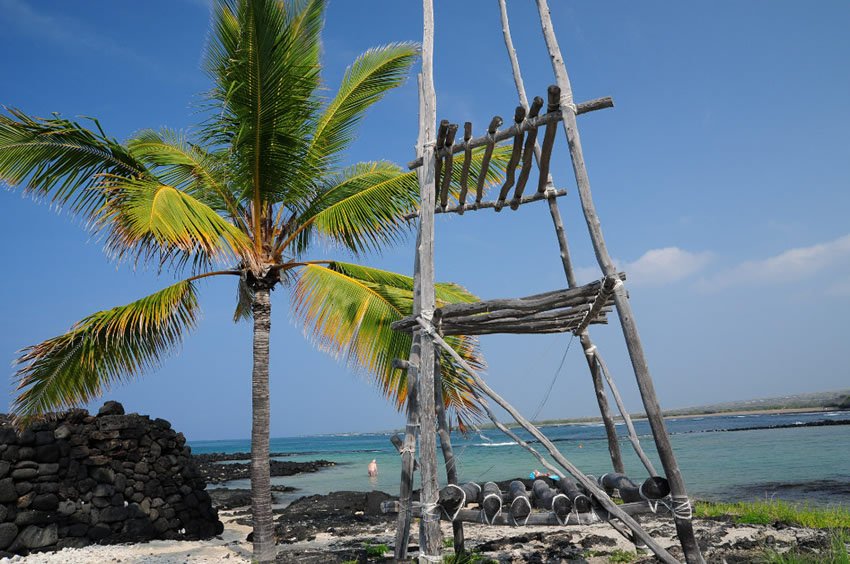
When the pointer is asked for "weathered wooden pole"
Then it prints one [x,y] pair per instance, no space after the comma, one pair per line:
[408,450]
[627,419]
[430,541]
[560,232]
[682,513]
[446,446]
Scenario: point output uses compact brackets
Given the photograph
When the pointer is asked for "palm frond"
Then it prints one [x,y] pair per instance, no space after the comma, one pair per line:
[347,311]
[186,166]
[262,64]
[61,161]
[365,82]
[103,349]
[147,219]
[363,206]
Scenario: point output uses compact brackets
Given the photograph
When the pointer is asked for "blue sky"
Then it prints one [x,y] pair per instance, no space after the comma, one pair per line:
[721,179]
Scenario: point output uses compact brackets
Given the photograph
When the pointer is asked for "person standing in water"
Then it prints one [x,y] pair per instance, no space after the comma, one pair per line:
[372,469]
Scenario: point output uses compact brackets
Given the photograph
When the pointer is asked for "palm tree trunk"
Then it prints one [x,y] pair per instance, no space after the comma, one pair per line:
[261,498]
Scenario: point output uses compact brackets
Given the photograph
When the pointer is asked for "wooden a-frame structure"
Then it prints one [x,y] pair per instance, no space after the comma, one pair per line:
[569,310]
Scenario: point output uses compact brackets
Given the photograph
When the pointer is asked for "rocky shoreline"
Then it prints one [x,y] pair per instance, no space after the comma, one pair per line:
[215,472]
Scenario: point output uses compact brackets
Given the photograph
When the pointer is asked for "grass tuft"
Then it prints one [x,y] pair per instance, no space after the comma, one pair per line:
[777,511]
[837,553]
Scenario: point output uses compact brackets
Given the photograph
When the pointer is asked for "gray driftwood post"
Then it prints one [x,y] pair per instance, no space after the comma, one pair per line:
[408,450]
[430,541]
[681,503]
[446,446]
[586,343]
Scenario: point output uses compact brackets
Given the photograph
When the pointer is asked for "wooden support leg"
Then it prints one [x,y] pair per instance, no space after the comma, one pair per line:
[563,246]
[430,543]
[682,516]
[446,446]
[408,450]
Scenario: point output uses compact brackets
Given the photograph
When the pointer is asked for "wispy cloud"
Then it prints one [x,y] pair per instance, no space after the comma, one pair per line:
[657,267]
[65,31]
[789,266]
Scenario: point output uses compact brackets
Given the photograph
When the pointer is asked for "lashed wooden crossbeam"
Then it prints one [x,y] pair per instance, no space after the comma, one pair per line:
[461,208]
[501,135]
[551,312]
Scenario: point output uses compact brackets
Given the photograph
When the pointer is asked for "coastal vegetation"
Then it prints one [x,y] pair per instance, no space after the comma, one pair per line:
[247,197]
[777,511]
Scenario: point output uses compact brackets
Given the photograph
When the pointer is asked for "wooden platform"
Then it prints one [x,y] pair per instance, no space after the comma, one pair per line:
[569,310]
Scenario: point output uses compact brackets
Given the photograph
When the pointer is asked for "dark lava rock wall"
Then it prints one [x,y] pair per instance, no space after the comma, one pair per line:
[78,479]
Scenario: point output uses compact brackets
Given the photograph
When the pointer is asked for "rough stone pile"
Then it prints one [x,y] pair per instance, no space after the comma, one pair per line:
[79,479]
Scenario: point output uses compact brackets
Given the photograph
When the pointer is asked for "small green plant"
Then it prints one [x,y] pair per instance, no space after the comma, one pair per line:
[837,553]
[448,543]
[376,550]
[468,558]
[619,555]
[773,511]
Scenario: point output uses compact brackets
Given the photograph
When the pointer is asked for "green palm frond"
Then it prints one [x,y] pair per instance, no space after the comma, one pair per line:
[61,161]
[177,162]
[306,18]
[104,348]
[264,74]
[347,311]
[365,82]
[363,206]
[147,219]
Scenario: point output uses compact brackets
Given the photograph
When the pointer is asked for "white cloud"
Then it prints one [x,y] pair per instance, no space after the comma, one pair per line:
[663,266]
[789,266]
[656,267]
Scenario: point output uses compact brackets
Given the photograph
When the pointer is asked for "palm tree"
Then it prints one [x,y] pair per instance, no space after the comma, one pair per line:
[245,197]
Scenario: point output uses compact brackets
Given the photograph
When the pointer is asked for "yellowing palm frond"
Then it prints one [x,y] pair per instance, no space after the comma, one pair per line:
[146,218]
[104,348]
[177,162]
[347,311]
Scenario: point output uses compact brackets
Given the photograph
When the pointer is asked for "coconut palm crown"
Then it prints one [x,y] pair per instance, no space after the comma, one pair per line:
[244,197]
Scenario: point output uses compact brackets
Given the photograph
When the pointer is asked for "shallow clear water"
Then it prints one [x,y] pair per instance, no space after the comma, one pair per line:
[805,463]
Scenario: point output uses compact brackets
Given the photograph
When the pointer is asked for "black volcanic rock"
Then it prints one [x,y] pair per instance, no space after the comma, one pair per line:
[72,479]
[215,473]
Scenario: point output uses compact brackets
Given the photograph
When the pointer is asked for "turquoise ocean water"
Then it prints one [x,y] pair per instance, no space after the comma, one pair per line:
[801,464]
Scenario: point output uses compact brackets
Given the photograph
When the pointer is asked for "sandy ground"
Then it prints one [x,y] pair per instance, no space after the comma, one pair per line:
[229,547]
[592,544]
